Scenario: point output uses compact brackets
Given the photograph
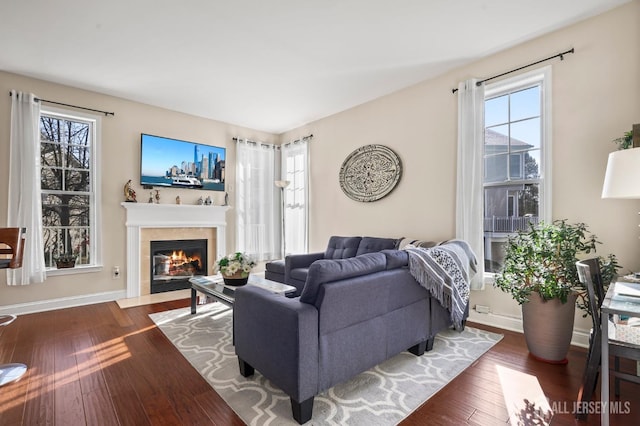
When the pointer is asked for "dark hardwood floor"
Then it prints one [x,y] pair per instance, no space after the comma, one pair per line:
[102,365]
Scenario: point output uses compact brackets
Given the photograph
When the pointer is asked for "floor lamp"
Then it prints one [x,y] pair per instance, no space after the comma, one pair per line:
[282,184]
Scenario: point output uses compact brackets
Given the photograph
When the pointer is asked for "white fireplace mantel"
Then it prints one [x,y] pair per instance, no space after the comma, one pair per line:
[146,215]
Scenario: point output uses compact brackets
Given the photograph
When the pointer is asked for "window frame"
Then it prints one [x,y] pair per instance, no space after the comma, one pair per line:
[542,77]
[95,198]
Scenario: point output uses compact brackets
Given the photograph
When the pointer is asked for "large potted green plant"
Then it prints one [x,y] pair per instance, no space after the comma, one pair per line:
[539,272]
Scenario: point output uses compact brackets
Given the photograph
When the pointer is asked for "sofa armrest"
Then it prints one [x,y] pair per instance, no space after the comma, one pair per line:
[294,261]
[295,269]
[278,336]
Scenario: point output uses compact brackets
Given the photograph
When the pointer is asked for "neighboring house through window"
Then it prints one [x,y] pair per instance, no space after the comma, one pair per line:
[517,183]
[69,186]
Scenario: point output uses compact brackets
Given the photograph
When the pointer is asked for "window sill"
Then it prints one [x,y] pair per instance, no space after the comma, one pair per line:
[84,269]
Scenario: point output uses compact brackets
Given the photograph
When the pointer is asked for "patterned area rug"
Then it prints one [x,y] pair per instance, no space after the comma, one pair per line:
[383,395]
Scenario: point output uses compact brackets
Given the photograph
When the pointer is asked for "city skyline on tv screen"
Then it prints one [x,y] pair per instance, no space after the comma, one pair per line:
[181,164]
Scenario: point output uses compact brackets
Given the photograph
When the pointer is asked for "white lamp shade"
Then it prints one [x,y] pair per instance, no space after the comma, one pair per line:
[622,179]
[282,183]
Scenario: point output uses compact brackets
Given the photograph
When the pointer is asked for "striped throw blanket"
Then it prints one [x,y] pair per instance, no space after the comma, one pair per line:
[446,271]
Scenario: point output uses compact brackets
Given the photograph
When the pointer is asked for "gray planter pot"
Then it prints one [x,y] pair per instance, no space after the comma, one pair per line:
[548,327]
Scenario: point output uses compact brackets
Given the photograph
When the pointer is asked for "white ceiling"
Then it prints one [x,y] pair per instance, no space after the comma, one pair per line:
[267,65]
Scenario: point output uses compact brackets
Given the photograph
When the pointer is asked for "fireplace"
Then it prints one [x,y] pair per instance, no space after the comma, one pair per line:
[149,222]
[173,262]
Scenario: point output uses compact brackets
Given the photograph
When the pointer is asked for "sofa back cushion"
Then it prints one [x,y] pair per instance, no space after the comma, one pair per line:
[326,271]
[396,258]
[374,244]
[342,247]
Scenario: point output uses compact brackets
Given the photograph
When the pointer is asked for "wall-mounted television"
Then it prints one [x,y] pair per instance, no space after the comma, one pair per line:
[174,163]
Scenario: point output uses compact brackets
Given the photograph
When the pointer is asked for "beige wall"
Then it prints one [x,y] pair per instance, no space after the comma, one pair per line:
[596,98]
[120,161]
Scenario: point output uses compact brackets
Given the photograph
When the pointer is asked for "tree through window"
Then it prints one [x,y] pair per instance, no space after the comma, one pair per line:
[68,187]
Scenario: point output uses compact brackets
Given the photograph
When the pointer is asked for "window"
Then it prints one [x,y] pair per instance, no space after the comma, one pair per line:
[257,209]
[516,158]
[295,169]
[69,185]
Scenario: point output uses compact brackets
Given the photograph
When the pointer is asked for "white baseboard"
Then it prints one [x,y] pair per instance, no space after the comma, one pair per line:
[579,338]
[64,302]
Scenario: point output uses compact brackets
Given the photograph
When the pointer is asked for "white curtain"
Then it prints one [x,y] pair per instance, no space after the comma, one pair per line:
[295,169]
[257,201]
[25,204]
[469,189]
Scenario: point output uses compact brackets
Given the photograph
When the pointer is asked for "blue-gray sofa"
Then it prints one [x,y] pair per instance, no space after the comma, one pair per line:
[297,266]
[351,315]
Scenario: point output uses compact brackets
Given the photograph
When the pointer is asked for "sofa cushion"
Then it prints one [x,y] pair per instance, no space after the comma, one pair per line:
[299,274]
[396,258]
[374,244]
[324,271]
[342,247]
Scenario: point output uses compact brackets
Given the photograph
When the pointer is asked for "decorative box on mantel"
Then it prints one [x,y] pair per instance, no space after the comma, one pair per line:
[146,215]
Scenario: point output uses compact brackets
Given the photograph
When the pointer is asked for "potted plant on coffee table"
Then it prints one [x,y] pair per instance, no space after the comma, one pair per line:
[235,268]
[539,272]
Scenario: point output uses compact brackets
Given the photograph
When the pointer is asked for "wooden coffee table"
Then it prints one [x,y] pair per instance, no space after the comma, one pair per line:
[214,286]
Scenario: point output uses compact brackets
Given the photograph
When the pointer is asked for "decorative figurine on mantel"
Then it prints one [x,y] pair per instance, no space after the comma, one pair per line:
[150,197]
[129,193]
[226,199]
[200,201]
[157,196]
[178,200]
[208,201]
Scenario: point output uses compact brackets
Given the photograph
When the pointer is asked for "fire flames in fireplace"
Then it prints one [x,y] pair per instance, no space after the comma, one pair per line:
[173,262]
[178,263]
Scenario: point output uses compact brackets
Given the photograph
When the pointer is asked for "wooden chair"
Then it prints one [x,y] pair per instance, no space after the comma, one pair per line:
[13,241]
[12,244]
[13,371]
[589,275]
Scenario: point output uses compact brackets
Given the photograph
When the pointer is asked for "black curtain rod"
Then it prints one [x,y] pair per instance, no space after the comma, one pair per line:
[297,140]
[301,139]
[73,106]
[250,141]
[559,55]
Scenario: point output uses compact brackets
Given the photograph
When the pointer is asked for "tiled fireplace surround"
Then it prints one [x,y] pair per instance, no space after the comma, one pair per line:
[147,222]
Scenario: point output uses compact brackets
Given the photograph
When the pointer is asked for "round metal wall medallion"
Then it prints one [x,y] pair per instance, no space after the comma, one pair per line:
[370,172]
